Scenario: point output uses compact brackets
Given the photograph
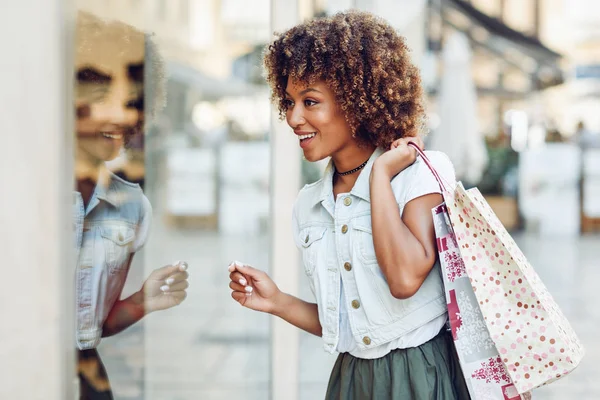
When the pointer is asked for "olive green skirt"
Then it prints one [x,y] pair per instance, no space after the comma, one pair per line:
[428,372]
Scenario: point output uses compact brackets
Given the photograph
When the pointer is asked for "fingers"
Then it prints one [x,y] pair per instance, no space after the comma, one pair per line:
[178,296]
[240,288]
[405,140]
[245,270]
[239,282]
[418,141]
[168,270]
[177,281]
[176,287]
[395,143]
[239,297]
[178,277]
[235,266]
[238,278]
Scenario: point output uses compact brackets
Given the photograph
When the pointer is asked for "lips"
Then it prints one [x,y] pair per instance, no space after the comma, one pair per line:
[112,135]
[307,136]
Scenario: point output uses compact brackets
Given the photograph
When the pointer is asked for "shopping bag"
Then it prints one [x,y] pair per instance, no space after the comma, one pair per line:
[534,340]
[485,374]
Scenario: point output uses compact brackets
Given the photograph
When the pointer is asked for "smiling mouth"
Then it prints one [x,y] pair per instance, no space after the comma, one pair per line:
[305,137]
[114,136]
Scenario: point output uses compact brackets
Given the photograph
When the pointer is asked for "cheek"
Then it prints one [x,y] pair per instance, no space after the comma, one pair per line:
[323,120]
[105,112]
[82,111]
[338,128]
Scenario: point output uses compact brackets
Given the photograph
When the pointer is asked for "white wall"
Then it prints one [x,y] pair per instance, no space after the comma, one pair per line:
[36,334]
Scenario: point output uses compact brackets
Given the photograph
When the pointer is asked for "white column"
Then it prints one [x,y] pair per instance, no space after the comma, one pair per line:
[36,178]
[285,183]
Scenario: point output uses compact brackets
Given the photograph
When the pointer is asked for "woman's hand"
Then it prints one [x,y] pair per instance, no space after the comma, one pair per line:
[165,287]
[398,157]
[253,288]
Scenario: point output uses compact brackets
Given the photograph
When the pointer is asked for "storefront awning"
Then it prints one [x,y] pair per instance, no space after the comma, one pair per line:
[514,48]
[498,28]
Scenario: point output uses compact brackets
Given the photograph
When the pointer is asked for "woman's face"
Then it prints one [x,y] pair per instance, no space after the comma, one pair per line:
[316,119]
[109,91]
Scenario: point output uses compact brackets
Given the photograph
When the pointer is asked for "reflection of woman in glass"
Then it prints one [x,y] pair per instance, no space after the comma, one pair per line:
[349,91]
[112,216]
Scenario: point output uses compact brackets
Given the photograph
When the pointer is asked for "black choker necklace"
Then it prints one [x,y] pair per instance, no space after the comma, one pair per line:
[361,166]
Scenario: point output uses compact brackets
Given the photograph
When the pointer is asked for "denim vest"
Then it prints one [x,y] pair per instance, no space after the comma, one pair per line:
[112,228]
[336,242]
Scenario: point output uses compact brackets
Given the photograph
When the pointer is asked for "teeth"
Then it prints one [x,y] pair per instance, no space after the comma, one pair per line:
[310,135]
[112,135]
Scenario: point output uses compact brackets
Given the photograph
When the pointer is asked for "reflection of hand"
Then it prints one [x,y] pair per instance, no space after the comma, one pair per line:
[253,288]
[399,156]
[165,287]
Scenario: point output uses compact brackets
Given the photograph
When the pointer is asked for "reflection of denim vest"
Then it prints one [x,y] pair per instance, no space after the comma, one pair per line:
[336,242]
[114,226]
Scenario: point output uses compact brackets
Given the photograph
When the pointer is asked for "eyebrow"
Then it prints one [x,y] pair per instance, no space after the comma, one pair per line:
[89,74]
[135,72]
[307,90]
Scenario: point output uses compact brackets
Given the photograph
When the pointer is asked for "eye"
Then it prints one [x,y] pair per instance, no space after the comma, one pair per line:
[92,92]
[136,89]
[309,102]
[287,103]
[137,104]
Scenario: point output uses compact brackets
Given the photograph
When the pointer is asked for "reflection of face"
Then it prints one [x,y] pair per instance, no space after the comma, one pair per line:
[109,86]
[317,120]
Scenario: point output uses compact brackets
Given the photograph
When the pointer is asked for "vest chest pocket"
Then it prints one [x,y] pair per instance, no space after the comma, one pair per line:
[117,242]
[312,243]
[363,240]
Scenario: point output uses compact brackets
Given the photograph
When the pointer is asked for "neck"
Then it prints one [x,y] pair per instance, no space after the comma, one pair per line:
[349,158]
[87,167]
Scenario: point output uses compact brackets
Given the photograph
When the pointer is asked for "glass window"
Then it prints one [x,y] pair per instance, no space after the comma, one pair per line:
[181,112]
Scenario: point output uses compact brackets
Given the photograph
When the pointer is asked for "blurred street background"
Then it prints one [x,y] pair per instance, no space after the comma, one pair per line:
[513,93]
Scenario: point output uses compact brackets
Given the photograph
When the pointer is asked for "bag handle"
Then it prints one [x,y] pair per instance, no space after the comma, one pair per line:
[441,181]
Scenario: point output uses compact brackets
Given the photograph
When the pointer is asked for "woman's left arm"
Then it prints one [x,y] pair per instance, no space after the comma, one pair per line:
[124,313]
[404,245]
[164,288]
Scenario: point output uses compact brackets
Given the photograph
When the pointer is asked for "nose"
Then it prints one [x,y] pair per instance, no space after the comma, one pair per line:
[115,113]
[295,116]
[114,108]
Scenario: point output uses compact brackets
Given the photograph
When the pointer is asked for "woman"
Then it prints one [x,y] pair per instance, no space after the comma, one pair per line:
[348,90]
[111,216]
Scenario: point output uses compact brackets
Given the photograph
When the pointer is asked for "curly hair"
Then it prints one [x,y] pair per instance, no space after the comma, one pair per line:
[364,62]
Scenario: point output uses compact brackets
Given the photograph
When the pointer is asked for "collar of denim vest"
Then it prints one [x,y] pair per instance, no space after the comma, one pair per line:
[107,189]
[361,186]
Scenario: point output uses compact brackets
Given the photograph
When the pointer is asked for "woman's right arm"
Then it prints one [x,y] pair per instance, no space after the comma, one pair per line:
[299,313]
[254,289]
